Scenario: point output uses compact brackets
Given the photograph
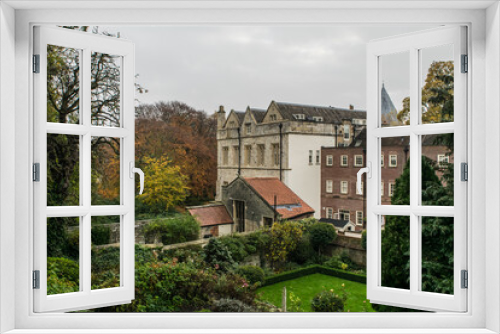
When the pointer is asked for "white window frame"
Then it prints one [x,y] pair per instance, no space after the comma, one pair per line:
[342,164]
[329,213]
[359,218]
[344,187]
[311,157]
[481,317]
[318,157]
[391,164]
[356,164]
[381,160]
[443,158]
[329,160]
[345,214]
[412,43]
[329,186]
[382,189]
[392,185]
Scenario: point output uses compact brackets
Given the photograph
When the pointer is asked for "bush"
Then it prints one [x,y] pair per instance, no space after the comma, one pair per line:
[321,235]
[327,301]
[173,230]
[303,252]
[363,239]
[100,234]
[236,246]
[63,275]
[231,305]
[252,274]
[217,255]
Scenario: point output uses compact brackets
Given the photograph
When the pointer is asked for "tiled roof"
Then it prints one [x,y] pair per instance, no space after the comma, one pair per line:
[240,115]
[330,114]
[288,204]
[211,215]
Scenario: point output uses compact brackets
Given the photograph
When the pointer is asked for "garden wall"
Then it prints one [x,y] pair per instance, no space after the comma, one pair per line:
[351,246]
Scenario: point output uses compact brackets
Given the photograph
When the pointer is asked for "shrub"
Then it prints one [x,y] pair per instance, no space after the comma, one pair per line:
[327,301]
[173,230]
[363,239]
[217,255]
[63,275]
[303,252]
[313,270]
[236,246]
[321,234]
[284,238]
[230,305]
[100,234]
[252,274]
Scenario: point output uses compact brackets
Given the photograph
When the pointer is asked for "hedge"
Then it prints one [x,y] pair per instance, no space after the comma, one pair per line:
[314,269]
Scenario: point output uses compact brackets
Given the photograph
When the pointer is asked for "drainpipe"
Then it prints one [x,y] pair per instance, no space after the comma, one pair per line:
[336,136]
[281,149]
[239,151]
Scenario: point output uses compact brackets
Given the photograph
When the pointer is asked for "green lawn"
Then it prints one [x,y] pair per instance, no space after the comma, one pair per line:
[307,287]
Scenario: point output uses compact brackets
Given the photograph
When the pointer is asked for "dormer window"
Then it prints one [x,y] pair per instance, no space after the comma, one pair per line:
[272,117]
[232,124]
[318,118]
[248,127]
[299,116]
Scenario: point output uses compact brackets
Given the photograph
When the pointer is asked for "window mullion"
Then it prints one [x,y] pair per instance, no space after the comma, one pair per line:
[414,171]
[86,166]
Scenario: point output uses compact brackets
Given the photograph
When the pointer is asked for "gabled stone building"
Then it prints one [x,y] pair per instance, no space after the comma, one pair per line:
[283,141]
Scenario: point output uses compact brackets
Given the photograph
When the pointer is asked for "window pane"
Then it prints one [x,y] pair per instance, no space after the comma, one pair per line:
[63,254]
[63,85]
[63,170]
[106,89]
[105,252]
[105,171]
[437,254]
[395,250]
[396,172]
[436,83]
[394,83]
[437,169]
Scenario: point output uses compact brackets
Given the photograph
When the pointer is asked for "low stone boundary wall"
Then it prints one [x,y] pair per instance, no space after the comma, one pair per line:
[351,246]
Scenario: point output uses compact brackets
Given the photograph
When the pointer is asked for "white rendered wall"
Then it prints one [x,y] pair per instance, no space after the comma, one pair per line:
[225,229]
[305,179]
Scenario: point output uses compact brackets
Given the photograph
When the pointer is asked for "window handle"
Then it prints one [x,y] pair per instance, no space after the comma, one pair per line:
[368,171]
[134,170]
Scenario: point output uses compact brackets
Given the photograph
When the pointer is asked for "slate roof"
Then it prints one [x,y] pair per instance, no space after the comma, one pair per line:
[211,215]
[240,115]
[330,114]
[288,204]
[258,114]
[336,222]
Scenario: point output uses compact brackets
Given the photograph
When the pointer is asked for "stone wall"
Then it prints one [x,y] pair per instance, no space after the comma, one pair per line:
[351,246]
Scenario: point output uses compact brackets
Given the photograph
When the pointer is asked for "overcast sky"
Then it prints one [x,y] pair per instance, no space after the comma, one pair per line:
[237,66]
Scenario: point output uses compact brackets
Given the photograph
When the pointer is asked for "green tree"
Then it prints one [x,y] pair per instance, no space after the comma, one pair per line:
[284,238]
[321,235]
[164,185]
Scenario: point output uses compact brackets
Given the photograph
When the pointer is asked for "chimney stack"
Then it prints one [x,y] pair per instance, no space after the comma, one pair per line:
[351,107]
[221,117]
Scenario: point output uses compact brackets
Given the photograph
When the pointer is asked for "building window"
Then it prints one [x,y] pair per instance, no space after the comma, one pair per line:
[268,222]
[261,154]
[225,155]
[347,131]
[329,186]
[272,117]
[358,160]
[344,187]
[359,217]
[276,154]
[329,213]
[236,155]
[248,154]
[318,157]
[344,161]
[382,189]
[318,118]
[393,160]
[310,157]
[392,187]
[248,128]
[232,124]
[329,160]
[443,160]
[344,215]
[299,116]
[382,160]
[360,192]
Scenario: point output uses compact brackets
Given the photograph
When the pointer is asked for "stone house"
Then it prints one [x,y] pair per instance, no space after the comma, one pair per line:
[214,220]
[258,202]
[283,141]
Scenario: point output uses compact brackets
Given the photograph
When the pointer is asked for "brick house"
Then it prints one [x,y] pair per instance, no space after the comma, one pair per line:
[339,166]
